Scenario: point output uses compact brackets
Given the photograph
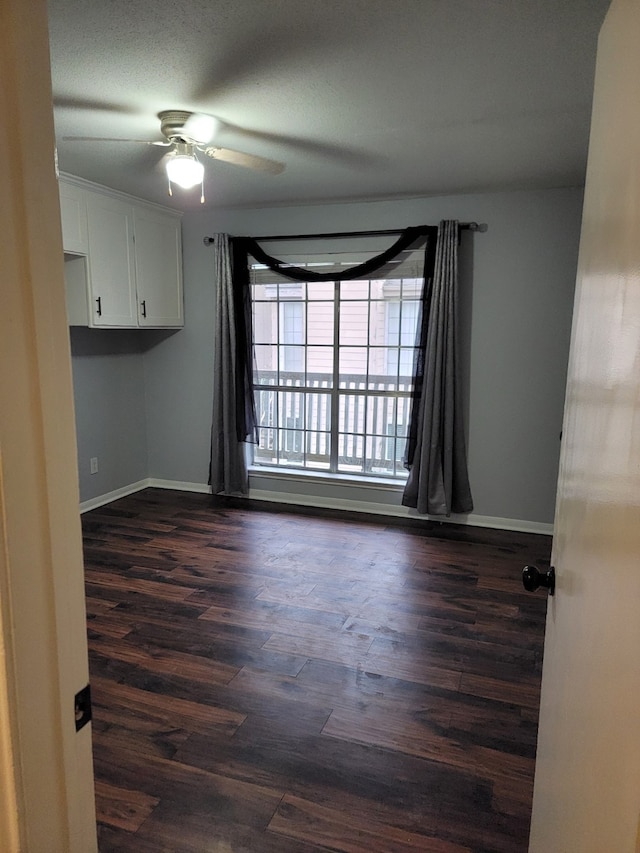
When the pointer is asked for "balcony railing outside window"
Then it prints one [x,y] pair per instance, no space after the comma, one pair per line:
[295,422]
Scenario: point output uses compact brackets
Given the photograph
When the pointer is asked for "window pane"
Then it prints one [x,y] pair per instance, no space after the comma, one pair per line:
[291,337]
[265,326]
[290,409]
[317,450]
[352,413]
[292,363]
[376,461]
[290,378]
[377,323]
[321,290]
[354,290]
[377,289]
[407,357]
[393,324]
[403,413]
[383,457]
[266,360]
[258,293]
[320,367]
[320,323]
[290,290]
[354,323]
[266,441]
[353,367]
[409,324]
[292,322]
[318,412]
[380,415]
[383,367]
[291,448]
[411,289]
[266,407]
[350,452]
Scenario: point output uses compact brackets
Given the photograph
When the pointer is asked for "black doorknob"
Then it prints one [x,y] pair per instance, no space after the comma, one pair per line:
[532,578]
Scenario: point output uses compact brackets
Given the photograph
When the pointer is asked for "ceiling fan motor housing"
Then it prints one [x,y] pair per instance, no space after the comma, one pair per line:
[172,125]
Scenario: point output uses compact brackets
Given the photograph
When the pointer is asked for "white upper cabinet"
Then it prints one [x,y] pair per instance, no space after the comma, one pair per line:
[73,213]
[158,269]
[112,267]
[133,260]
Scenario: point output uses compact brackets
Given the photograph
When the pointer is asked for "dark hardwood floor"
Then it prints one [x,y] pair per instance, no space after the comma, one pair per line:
[273,682]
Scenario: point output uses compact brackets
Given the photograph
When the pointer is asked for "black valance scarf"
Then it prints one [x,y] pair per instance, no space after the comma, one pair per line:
[243,247]
[248,246]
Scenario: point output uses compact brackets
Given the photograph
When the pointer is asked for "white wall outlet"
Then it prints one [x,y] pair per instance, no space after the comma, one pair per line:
[94,464]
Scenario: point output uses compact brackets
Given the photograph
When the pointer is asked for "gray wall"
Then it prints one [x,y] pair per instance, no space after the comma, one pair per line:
[108,381]
[519,299]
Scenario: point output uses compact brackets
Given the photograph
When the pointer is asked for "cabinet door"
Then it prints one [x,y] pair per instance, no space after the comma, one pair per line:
[158,269]
[112,280]
[73,214]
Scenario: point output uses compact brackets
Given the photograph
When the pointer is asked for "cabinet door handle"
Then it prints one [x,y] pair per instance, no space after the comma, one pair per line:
[99,306]
[143,307]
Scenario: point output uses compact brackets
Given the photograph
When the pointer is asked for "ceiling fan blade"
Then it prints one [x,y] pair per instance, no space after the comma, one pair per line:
[200,127]
[249,161]
[112,139]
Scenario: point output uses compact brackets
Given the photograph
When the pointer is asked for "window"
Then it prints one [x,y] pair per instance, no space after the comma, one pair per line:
[333,371]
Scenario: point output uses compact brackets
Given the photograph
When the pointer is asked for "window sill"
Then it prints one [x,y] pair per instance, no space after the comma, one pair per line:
[378,483]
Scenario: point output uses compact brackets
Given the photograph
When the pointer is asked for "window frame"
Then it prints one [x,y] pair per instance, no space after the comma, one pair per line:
[365,398]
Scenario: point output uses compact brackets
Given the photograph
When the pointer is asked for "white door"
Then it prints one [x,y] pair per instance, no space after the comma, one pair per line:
[587,785]
[46,777]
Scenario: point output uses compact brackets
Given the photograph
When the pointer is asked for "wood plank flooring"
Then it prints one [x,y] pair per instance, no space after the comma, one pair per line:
[274,682]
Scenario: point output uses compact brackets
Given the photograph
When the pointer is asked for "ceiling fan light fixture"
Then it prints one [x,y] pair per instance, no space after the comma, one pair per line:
[185,171]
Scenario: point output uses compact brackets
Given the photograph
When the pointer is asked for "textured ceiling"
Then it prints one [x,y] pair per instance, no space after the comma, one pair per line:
[362,99]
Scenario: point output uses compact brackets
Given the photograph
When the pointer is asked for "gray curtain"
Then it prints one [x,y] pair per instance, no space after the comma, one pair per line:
[438,482]
[228,474]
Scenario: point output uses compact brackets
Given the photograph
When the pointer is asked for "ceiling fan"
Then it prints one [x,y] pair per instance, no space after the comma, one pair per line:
[188,134]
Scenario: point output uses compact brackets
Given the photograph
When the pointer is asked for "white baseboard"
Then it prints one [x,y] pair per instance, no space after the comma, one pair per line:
[149,483]
[392,511]
[389,510]
[179,486]
[516,524]
[109,497]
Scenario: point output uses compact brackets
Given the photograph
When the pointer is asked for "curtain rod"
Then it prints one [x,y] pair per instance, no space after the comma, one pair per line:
[464,226]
